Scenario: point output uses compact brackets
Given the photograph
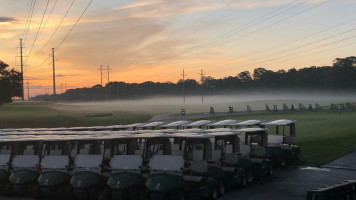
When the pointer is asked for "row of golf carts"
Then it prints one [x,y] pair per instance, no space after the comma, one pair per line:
[142,164]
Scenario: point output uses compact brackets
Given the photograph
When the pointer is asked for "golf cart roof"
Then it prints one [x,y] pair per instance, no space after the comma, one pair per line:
[249,122]
[152,124]
[133,125]
[199,123]
[193,130]
[227,122]
[250,130]
[217,130]
[187,135]
[175,124]
[280,122]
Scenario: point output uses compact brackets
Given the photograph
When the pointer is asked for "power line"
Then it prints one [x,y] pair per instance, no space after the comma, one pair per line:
[60,23]
[74,25]
[49,16]
[38,30]
[29,24]
[28,17]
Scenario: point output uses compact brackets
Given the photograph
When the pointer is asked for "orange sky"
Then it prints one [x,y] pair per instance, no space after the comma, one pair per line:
[154,40]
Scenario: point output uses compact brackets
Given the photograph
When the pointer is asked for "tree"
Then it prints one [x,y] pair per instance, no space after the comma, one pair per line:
[258,73]
[244,76]
[10,83]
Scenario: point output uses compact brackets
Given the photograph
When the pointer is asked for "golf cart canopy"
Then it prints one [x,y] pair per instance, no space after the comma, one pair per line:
[228,122]
[280,122]
[175,124]
[152,125]
[199,123]
[249,123]
[283,123]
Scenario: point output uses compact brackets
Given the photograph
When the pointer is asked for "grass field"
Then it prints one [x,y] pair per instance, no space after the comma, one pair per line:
[42,114]
[322,136]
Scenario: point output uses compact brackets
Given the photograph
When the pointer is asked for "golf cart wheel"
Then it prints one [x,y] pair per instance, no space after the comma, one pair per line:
[178,195]
[221,188]
[249,177]
[214,192]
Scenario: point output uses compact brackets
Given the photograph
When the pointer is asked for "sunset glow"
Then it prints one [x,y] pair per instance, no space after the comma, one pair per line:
[154,40]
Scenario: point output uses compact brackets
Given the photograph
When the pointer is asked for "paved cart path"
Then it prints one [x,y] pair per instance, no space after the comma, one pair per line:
[291,183]
[345,162]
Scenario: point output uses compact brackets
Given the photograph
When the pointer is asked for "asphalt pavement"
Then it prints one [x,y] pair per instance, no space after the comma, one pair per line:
[290,183]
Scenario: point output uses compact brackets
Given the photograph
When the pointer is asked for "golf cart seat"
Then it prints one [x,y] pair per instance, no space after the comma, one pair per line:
[55,162]
[230,159]
[288,140]
[55,152]
[258,154]
[275,139]
[196,167]
[126,162]
[245,150]
[199,167]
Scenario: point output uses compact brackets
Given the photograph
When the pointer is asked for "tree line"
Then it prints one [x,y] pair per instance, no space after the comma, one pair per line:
[340,76]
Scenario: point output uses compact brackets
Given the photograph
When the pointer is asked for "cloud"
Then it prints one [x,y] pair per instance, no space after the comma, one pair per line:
[7,19]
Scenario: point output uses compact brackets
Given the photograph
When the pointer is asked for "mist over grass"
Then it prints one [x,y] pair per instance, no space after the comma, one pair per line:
[193,104]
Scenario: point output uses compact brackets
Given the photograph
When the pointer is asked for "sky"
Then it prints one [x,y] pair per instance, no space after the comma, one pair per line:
[154,40]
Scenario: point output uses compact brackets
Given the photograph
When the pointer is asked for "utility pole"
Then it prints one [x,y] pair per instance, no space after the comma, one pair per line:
[101,75]
[107,85]
[54,74]
[183,87]
[22,91]
[28,91]
[202,86]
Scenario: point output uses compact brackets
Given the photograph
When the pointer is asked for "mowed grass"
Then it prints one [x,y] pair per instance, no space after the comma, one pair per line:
[322,136]
[39,114]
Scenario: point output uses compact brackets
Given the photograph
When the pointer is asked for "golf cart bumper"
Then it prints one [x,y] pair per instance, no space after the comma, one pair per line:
[23,177]
[125,181]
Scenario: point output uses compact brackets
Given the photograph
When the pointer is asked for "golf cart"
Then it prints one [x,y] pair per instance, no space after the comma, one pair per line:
[178,165]
[55,165]
[86,181]
[25,167]
[227,146]
[281,146]
[126,180]
[253,157]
